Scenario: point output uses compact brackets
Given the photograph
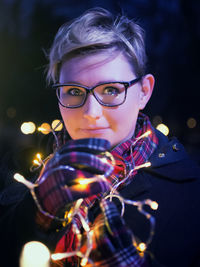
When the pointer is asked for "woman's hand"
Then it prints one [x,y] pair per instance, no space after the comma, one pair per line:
[72,174]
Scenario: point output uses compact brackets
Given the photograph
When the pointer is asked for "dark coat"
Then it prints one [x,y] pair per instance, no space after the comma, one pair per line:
[173,181]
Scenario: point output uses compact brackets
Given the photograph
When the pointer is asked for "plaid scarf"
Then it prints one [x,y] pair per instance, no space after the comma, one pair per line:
[128,155]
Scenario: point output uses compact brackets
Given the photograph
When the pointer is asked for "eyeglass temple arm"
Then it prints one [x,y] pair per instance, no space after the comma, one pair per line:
[135,81]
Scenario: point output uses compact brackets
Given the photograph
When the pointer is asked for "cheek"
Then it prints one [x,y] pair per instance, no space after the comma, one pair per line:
[125,116]
[70,117]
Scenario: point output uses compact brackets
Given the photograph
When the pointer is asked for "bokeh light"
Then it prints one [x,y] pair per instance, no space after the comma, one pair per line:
[57,125]
[142,247]
[28,127]
[45,128]
[18,177]
[35,253]
[11,112]
[163,128]
[154,205]
[191,123]
[37,160]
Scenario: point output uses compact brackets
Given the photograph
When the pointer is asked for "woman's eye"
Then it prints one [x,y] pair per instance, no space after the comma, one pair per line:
[75,92]
[111,91]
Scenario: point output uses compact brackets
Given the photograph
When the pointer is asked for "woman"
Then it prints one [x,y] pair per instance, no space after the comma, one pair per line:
[97,65]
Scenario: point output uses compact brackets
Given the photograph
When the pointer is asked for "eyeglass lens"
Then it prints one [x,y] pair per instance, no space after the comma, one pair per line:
[108,94]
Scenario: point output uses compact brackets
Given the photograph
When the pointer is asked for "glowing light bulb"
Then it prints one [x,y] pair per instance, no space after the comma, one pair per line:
[147,164]
[38,160]
[154,205]
[38,155]
[83,181]
[69,215]
[34,254]
[18,177]
[84,261]
[142,247]
[57,256]
[147,133]
[163,129]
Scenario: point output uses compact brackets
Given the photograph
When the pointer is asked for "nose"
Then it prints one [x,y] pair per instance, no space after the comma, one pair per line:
[93,110]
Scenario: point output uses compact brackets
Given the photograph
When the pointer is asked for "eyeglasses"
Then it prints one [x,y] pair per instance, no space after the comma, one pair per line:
[107,94]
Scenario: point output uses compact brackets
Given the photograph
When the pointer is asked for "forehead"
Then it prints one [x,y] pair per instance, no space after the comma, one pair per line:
[101,66]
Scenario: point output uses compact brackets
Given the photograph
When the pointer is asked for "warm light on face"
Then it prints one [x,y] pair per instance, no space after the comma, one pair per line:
[35,254]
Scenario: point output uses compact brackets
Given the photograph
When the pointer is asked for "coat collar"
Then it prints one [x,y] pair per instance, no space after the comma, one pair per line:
[168,151]
[168,162]
[171,161]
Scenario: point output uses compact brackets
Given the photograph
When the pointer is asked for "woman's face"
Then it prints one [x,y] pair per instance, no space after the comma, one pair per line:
[116,124]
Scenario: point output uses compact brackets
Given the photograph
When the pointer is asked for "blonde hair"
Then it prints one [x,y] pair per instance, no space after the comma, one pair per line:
[95,31]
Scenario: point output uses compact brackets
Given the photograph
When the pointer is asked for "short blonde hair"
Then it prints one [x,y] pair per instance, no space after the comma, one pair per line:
[94,31]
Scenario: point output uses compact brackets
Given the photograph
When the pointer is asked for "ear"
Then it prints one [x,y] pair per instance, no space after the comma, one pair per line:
[146,90]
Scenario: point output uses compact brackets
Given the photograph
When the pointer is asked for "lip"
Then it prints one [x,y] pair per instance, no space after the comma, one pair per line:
[95,130]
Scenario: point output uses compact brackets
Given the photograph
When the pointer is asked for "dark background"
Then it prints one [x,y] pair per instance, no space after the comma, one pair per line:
[27,28]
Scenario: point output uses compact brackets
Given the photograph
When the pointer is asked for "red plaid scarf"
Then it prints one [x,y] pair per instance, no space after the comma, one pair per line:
[127,156]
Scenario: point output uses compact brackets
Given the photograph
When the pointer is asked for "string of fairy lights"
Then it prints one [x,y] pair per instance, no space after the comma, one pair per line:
[57,125]
[75,210]
[37,254]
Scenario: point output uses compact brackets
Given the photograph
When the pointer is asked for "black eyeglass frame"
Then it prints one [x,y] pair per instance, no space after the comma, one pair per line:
[91,90]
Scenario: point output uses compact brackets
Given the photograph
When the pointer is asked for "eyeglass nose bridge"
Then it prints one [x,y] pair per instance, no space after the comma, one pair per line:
[91,91]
